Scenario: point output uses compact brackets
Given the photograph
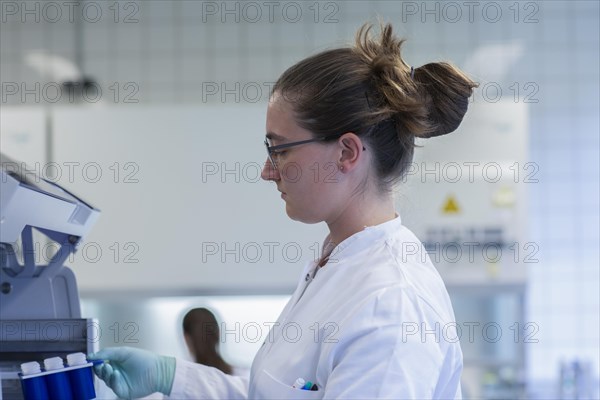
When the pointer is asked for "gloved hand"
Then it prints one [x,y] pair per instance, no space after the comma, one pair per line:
[133,373]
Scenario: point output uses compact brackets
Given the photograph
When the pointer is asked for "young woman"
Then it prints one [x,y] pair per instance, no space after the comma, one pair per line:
[368,319]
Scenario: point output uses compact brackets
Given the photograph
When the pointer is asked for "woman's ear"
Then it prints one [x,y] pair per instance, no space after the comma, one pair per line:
[351,150]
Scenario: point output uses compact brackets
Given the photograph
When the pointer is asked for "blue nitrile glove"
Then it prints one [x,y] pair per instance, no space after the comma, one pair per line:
[133,373]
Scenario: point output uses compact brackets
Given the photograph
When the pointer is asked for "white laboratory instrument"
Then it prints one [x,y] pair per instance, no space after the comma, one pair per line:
[41,225]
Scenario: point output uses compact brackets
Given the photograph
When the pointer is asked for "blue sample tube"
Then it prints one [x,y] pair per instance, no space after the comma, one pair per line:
[33,385]
[82,379]
[59,387]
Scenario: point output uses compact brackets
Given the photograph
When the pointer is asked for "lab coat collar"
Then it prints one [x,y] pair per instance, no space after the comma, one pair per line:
[350,247]
[364,239]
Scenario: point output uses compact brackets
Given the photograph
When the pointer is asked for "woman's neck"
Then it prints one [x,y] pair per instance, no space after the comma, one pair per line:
[356,216]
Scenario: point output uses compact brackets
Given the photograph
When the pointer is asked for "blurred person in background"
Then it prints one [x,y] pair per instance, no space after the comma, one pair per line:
[202,337]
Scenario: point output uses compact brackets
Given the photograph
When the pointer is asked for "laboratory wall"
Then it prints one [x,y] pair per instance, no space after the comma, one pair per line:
[75,76]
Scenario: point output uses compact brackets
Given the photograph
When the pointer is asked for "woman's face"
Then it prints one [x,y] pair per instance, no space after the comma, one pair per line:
[307,175]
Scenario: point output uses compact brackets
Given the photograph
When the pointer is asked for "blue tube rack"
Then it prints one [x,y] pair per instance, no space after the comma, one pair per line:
[68,383]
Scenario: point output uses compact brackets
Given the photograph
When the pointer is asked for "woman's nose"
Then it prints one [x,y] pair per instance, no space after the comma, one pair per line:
[269,172]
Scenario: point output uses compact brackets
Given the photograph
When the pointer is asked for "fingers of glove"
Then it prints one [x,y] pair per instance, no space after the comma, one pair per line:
[98,369]
[100,355]
[113,379]
[105,372]
[111,354]
[119,385]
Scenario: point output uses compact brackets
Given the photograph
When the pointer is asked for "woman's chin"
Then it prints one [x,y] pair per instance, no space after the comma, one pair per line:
[306,218]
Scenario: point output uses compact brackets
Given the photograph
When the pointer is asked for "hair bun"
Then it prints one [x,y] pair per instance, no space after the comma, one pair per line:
[448,122]
[427,101]
[446,91]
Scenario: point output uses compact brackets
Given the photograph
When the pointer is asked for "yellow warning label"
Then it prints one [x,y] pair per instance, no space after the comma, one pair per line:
[450,206]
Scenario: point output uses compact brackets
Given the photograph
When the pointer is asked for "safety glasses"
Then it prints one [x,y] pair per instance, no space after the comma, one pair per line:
[274,151]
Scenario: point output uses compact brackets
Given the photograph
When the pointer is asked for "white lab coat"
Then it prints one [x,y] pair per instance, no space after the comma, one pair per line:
[375,322]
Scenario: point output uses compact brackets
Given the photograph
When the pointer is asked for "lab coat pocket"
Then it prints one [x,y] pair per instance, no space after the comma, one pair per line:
[272,388]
